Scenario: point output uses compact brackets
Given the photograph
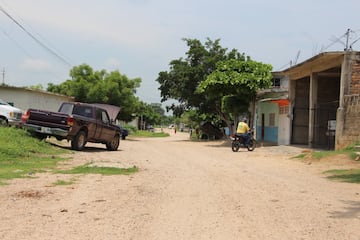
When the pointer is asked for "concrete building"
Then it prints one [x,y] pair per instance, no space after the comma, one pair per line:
[24,98]
[272,113]
[324,100]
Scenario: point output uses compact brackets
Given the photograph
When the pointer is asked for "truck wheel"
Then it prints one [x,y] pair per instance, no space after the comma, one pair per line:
[3,122]
[39,136]
[114,144]
[79,141]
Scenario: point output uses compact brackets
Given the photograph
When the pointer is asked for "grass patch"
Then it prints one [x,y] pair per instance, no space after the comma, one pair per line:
[351,175]
[300,156]
[142,133]
[349,151]
[87,169]
[343,175]
[22,155]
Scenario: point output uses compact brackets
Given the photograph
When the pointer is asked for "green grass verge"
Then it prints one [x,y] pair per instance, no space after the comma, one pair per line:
[88,169]
[22,155]
[64,183]
[350,175]
[343,175]
[350,151]
[142,133]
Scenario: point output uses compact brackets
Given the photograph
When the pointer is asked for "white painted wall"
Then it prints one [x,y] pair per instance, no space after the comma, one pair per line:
[284,130]
[25,98]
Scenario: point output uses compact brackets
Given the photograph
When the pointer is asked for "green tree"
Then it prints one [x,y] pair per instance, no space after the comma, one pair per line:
[36,87]
[149,115]
[184,76]
[234,83]
[217,83]
[114,88]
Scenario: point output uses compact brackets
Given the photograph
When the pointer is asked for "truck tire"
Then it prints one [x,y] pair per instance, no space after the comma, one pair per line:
[39,136]
[3,122]
[79,141]
[114,144]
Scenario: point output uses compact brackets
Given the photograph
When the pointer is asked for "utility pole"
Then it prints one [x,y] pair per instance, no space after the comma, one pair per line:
[3,76]
[347,39]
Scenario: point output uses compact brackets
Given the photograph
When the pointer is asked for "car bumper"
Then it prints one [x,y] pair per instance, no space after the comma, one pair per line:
[15,122]
[46,130]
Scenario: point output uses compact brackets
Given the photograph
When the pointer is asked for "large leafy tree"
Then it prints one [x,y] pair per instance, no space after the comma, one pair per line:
[185,74]
[150,114]
[233,85]
[217,83]
[114,88]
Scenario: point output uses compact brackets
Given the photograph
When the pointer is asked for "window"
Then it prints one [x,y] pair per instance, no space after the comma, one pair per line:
[105,117]
[83,111]
[66,108]
[284,109]
[276,82]
[271,119]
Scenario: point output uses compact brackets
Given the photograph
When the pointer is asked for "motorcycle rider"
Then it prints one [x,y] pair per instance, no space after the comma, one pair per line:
[243,131]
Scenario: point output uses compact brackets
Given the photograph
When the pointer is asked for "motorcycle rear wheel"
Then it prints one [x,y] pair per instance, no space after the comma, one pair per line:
[252,145]
[235,146]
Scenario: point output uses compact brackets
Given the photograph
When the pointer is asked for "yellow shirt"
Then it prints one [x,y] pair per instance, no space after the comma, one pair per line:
[242,128]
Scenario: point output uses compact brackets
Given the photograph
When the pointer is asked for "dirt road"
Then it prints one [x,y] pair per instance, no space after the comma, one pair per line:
[184,190]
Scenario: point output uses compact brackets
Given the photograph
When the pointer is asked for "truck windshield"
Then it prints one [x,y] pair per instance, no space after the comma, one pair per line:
[3,102]
[66,108]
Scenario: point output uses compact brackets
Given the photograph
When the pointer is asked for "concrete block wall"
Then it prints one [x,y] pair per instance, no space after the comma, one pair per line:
[351,132]
[355,78]
[351,110]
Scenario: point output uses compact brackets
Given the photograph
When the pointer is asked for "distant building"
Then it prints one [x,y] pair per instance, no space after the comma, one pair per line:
[24,98]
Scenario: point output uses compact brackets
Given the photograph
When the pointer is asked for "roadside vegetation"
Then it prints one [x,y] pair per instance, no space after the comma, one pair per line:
[349,175]
[89,169]
[143,133]
[22,156]
[344,175]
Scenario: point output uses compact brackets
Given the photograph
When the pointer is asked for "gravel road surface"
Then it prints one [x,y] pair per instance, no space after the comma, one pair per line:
[185,190]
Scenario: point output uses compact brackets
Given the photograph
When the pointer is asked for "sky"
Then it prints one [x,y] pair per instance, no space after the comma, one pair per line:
[41,40]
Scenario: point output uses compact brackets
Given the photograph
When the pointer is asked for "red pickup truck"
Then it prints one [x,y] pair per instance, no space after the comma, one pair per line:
[77,122]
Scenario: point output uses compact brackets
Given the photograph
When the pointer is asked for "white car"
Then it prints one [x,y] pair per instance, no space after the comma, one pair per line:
[9,115]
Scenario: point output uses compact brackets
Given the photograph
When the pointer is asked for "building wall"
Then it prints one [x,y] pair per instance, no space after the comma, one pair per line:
[284,126]
[350,128]
[25,98]
[270,125]
[355,78]
[351,131]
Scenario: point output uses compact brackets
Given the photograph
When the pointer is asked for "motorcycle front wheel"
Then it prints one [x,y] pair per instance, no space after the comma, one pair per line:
[235,145]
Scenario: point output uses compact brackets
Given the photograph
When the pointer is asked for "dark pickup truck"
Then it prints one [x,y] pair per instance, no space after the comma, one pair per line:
[77,122]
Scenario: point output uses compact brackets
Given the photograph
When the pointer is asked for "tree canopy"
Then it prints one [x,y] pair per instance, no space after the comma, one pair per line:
[213,80]
[184,76]
[114,88]
[235,84]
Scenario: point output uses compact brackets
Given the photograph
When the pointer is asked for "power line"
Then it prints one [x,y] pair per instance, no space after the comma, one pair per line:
[35,39]
[16,43]
[347,44]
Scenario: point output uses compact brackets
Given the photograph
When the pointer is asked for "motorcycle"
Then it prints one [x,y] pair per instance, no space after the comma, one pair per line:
[238,141]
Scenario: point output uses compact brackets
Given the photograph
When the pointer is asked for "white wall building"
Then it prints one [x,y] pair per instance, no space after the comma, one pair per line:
[24,98]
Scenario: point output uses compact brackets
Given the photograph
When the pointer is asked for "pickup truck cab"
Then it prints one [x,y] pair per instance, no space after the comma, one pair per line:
[9,115]
[76,122]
